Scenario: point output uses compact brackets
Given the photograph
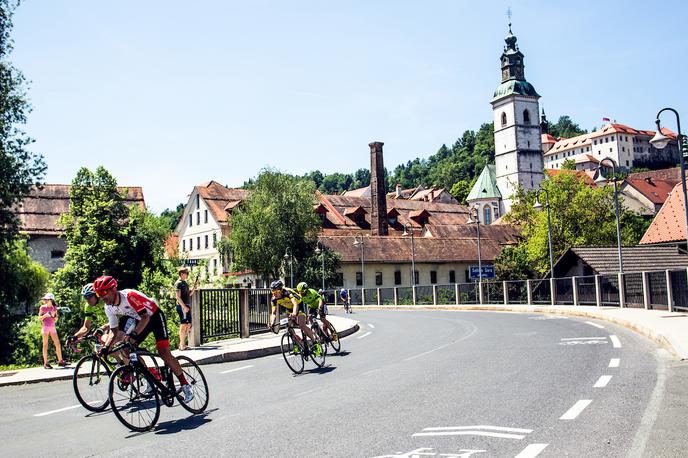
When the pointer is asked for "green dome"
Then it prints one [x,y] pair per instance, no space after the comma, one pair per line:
[515,87]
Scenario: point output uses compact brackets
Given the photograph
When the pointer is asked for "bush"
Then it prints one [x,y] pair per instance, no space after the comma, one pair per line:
[28,342]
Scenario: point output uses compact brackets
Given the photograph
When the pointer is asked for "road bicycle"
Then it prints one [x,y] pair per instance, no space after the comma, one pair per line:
[137,390]
[331,340]
[91,375]
[295,353]
[347,305]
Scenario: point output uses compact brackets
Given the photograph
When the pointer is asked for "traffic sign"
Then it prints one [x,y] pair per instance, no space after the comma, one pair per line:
[488,272]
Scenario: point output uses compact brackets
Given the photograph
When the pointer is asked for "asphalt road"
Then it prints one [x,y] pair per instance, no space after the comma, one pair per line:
[417,383]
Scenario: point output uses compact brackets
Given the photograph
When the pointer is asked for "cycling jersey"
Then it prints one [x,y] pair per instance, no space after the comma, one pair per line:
[311,298]
[285,300]
[131,304]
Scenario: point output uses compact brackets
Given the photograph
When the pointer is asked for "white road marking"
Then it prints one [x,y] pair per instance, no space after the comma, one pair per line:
[495,428]
[471,433]
[372,326]
[602,381]
[237,369]
[584,338]
[615,341]
[427,352]
[614,362]
[475,431]
[364,335]
[577,408]
[50,412]
[532,451]
[594,324]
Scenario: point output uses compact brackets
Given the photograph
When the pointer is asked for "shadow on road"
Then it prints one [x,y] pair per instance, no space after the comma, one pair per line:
[321,370]
[341,353]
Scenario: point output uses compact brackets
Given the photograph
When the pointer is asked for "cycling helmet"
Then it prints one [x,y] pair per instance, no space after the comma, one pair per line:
[88,291]
[301,287]
[102,284]
[321,292]
[277,284]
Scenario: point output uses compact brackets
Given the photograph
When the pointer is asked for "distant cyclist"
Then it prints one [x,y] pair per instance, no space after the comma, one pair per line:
[315,303]
[346,300]
[286,299]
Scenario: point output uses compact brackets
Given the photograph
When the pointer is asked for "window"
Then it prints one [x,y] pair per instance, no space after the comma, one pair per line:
[397,277]
[526,117]
[626,163]
[206,216]
[198,218]
[190,220]
[214,239]
[503,119]
[487,215]
[198,242]
[452,276]
[415,277]
[433,277]
[198,201]
[392,220]
[56,254]
[191,244]
[339,279]
[623,148]
[359,279]
[215,266]
[183,245]
[610,150]
[378,278]
[206,242]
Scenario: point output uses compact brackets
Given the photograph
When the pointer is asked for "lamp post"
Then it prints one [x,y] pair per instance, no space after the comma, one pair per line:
[320,249]
[288,257]
[602,180]
[538,207]
[408,229]
[358,241]
[474,211]
[660,141]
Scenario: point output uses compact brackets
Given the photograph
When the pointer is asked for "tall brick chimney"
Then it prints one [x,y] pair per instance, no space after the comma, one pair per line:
[378,191]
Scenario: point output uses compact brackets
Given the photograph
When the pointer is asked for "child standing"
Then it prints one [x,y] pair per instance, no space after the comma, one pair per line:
[48,314]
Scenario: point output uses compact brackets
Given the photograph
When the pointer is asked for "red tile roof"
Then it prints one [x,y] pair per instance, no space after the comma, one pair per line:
[547,138]
[657,191]
[587,179]
[670,223]
[673,174]
[585,159]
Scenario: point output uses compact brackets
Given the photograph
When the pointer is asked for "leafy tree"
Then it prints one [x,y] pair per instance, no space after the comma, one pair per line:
[171,217]
[277,215]
[512,263]
[311,269]
[565,128]
[568,164]
[461,189]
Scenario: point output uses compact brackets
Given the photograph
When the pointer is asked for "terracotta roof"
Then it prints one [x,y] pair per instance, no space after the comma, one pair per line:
[672,174]
[40,210]
[605,260]
[172,246]
[547,138]
[218,197]
[585,159]
[568,143]
[670,223]
[398,249]
[360,192]
[587,179]
[657,191]
[503,234]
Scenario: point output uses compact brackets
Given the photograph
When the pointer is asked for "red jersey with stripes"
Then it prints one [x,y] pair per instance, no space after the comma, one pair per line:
[131,304]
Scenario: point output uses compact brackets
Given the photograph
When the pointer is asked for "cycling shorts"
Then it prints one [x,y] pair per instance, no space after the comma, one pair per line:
[158,326]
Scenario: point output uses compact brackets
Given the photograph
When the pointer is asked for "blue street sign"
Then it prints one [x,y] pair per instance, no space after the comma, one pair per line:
[488,272]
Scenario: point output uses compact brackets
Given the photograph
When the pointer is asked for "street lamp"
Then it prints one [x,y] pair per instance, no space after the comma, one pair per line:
[601,180]
[318,250]
[471,212]
[660,141]
[538,207]
[408,229]
[288,257]
[358,241]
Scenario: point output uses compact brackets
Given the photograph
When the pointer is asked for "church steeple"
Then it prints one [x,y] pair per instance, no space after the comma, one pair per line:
[544,124]
[512,60]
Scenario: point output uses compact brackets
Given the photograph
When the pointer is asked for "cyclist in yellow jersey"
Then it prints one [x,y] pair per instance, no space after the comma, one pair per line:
[289,300]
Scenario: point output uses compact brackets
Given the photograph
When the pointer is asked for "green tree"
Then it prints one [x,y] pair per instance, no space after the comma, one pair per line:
[512,263]
[311,269]
[565,128]
[277,215]
[461,189]
[568,164]
[171,217]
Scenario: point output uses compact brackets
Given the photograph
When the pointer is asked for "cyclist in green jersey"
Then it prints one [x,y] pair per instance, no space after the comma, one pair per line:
[315,303]
[286,299]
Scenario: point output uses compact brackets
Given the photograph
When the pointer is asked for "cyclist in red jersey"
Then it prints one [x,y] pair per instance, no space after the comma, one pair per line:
[149,318]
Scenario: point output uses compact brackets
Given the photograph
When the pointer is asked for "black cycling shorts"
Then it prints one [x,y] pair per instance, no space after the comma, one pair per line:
[158,326]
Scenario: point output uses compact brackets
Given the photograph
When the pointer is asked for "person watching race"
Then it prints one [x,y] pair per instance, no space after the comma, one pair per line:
[148,318]
[315,303]
[286,299]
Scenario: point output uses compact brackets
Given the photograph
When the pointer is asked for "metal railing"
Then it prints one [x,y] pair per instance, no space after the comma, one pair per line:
[219,313]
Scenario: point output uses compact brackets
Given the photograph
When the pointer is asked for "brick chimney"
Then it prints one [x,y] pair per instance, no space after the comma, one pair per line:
[378,191]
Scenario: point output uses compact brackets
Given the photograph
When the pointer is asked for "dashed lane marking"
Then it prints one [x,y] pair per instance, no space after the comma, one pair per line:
[584,338]
[364,335]
[615,341]
[602,381]
[237,369]
[577,408]
[532,450]
[50,412]
[372,326]
[614,362]
[595,324]
[477,430]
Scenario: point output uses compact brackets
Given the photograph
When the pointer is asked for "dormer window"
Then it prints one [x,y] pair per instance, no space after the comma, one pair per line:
[393,217]
[356,214]
[420,216]
[321,212]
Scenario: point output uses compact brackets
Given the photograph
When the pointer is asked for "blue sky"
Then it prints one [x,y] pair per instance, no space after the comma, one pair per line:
[169,94]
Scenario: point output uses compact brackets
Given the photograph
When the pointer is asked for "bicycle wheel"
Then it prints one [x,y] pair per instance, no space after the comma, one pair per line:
[90,381]
[336,344]
[199,385]
[317,352]
[136,411]
[292,353]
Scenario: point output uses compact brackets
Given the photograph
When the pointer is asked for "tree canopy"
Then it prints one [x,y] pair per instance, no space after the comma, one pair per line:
[565,128]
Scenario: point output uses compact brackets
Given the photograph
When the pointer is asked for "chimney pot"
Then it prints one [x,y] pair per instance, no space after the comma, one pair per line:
[398,189]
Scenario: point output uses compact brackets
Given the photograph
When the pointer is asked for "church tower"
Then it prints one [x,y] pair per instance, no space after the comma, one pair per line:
[518,149]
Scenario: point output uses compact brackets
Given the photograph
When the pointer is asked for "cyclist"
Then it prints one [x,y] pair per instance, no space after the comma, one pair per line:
[344,296]
[286,299]
[148,317]
[315,303]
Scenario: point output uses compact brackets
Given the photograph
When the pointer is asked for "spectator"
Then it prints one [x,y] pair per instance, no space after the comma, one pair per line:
[48,314]
[184,306]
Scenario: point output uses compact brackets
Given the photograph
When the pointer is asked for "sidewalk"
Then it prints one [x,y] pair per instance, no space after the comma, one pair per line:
[215,352]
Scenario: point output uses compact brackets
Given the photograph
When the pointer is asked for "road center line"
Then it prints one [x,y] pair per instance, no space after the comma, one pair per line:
[496,428]
[584,338]
[614,362]
[532,450]
[364,335]
[50,412]
[594,324]
[427,352]
[237,369]
[577,408]
[471,433]
[602,381]
[615,341]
